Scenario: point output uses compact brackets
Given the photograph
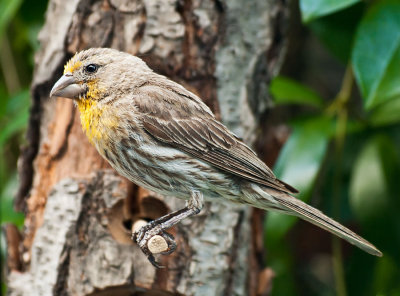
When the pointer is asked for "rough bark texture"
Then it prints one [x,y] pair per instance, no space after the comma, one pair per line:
[79,212]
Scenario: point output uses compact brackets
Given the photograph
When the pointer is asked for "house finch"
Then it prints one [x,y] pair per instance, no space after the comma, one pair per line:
[162,137]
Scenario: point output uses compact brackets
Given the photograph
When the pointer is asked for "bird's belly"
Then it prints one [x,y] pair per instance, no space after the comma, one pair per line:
[171,172]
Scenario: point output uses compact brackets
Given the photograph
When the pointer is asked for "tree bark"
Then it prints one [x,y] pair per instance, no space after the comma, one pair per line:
[79,212]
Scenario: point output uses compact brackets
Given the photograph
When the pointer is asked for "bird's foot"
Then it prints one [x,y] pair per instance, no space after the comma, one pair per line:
[143,236]
[153,239]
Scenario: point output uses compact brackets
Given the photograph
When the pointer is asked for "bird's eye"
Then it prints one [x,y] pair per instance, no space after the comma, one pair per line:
[91,68]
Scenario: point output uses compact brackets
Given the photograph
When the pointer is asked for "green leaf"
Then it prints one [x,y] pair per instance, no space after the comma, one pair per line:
[312,9]
[300,158]
[8,9]
[374,193]
[282,262]
[385,273]
[16,116]
[287,91]
[376,53]
[337,30]
[298,164]
[4,96]
[369,190]
[13,127]
[277,225]
[7,204]
[386,113]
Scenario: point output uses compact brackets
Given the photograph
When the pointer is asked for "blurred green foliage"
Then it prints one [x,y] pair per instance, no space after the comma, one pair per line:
[20,22]
[351,145]
[311,9]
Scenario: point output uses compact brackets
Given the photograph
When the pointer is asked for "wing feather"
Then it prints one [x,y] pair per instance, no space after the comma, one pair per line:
[182,120]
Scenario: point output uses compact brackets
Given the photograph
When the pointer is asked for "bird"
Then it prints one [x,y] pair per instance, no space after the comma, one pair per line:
[161,136]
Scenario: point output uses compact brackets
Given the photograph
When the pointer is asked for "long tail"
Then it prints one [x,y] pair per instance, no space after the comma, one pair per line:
[293,206]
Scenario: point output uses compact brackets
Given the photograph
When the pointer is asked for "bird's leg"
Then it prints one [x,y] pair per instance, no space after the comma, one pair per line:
[158,226]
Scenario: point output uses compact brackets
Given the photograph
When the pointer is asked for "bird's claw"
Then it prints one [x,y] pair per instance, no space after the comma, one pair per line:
[169,238]
[145,233]
[153,261]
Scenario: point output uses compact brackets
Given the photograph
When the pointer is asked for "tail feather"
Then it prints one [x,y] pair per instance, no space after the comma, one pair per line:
[298,208]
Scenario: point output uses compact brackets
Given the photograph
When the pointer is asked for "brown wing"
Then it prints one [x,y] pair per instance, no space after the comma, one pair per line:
[177,117]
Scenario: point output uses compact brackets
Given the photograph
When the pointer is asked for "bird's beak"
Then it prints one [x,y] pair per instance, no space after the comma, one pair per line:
[67,87]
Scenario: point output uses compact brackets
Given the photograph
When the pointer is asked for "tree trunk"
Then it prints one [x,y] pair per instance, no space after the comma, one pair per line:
[79,212]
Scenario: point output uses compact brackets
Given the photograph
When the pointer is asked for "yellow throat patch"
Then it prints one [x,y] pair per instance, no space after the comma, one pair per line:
[97,120]
[90,116]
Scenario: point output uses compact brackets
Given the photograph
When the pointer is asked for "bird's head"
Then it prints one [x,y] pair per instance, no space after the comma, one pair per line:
[94,74]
